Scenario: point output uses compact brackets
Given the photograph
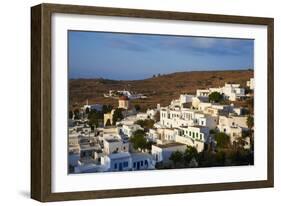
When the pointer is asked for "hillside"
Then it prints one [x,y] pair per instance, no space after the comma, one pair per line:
[161,89]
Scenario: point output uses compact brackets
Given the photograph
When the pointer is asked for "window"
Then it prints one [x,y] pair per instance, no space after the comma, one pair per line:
[193,134]
[196,134]
[189,133]
[146,162]
[134,165]
[115,166]
[141,163]
[125,164]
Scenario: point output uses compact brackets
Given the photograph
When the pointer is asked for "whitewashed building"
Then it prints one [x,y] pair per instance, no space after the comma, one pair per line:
[179,117]
[142,161]
[202,92]
[114,146]
[125,161]
[162,153]
[251,83]
[200,99]
[230,91]
[232,126]
[128,130]
[196,136]
[114,162]
[233,91]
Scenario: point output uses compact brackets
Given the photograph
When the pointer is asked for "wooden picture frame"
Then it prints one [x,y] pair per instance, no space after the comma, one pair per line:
[41,171]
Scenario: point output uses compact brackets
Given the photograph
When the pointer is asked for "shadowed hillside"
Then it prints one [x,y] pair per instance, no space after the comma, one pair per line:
[161,89]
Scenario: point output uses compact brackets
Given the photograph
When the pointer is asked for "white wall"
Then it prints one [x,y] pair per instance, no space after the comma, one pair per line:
[15,103]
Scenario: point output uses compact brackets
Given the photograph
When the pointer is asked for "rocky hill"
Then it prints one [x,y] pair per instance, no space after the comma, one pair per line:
[161,89]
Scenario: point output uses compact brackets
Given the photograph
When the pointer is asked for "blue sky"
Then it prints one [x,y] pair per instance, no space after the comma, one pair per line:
[122,56]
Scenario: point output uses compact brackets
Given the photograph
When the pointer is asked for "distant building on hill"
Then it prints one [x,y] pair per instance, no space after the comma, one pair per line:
[123,102]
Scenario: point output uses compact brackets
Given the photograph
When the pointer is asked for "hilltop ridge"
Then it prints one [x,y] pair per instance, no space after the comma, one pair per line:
[160,89]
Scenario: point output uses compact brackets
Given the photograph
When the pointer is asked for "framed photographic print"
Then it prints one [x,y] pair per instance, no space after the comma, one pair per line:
[130,102]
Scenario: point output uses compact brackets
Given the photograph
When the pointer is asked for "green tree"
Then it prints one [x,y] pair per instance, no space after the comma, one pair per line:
[76,114]
[137,107]
[207,159]
[176,157]
[223,140]
[87,110]
[94,117]
[189,154]
[106,108]
[138,140]
[117,115]
[215,97]
[93,120]
[146,124]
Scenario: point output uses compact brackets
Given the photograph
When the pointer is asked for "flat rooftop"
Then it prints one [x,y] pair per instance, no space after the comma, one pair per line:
[112,140]
[119,155]
[173,144]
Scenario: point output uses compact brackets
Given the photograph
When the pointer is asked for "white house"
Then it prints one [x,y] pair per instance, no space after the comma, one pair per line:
[152,112]
[233,91]
[114,146]
[179,117]
[240,121]
[196,133]
[125,161]
[87,150]
[120,161]
[167,134]
[130,129]
[129,120]
[209,121]
[73,141]
[232,126]
[186,98]
[195,136]
[251,84]
[142,161]
[142,116]
[162,153]
[215,109]
[89,166]
[202,106]
[153,135]
[197,100]
[202,92]
[230,91]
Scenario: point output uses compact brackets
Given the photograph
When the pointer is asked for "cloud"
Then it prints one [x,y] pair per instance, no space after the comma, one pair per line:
[183,44]
[210,46]
[126,42]
[204,42]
